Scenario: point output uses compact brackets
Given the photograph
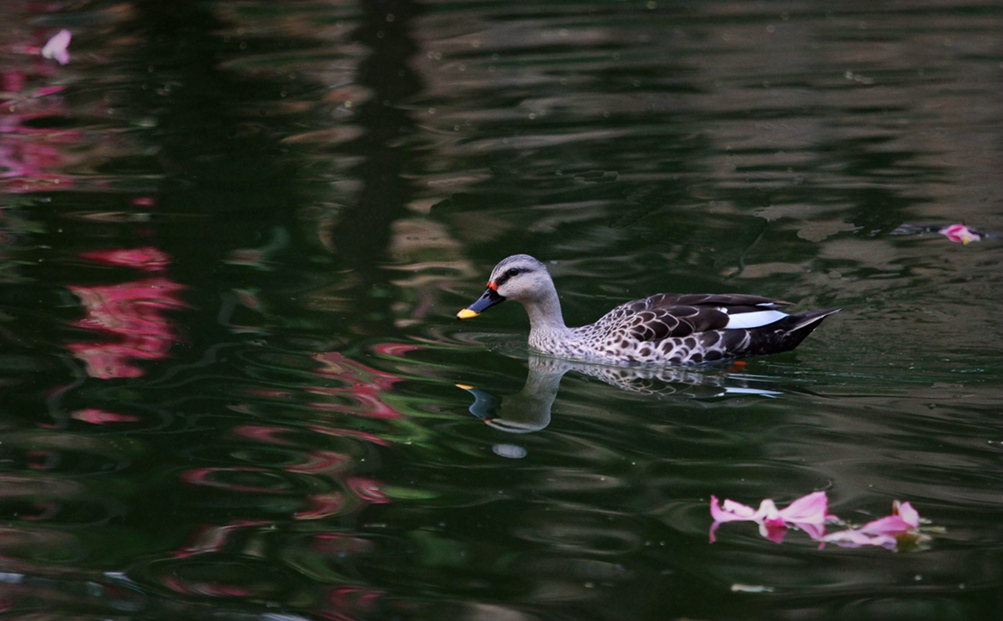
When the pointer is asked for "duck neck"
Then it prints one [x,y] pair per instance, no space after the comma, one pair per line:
[546,323]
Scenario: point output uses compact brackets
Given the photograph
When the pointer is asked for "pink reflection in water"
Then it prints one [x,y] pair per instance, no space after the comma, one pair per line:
[30,157]
[227,478]
[132,313]
[396,350]
[42,459]
[322,506]
[368,489]
[201,587]
[367,390]
[147,259]
[333,489]
[264,433]
[349,433]
[101,417]
[351,600]
[211,538]
[342,543]
[321,461]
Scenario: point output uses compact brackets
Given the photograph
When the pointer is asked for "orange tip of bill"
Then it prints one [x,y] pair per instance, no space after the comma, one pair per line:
[464,386]
[466,313]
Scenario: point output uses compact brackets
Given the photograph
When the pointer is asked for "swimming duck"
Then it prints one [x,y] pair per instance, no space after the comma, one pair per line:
[665,328]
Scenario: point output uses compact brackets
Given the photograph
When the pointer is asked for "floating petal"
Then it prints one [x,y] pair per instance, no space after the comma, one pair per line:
[56,47]
[960,233]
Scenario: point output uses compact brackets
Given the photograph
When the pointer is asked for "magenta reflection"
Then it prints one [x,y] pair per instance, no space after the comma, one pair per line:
[31,157]
[131,318]
[366,393]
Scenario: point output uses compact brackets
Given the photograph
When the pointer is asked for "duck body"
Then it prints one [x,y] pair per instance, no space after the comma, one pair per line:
[661,329]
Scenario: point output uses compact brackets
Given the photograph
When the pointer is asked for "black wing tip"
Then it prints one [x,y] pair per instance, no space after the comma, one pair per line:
[811,319]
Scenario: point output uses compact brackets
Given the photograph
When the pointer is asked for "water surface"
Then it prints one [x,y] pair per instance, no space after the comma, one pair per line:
[234,236]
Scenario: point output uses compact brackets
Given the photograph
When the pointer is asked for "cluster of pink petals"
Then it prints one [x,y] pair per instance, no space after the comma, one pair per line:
[884,532]
[808,513]
[959,233]
[811,514]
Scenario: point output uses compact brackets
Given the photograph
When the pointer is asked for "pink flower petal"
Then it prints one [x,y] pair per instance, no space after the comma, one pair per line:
[731,512]
[813,508]
[808,510]
[905,511]
[904,519]
[889,525]
[815,531]
[959,233]
[768,512]
[56,47]
[884,532]
[808,513]
[811,514]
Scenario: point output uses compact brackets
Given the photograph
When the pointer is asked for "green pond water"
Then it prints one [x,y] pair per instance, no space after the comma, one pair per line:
[234,237]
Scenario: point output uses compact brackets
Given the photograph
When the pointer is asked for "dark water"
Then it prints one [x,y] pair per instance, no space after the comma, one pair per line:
[234,235]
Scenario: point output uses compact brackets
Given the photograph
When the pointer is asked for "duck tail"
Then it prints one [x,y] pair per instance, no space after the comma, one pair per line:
[800,326]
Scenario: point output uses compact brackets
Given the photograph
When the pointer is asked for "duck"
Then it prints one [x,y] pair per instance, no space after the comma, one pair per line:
[665,328]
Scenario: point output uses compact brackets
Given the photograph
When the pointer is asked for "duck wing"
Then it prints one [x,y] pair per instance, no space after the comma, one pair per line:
[733,302]
[665,315]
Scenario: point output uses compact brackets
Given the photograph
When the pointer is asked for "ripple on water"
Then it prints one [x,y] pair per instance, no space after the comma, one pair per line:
[219,575]
[572,527]
[57,478]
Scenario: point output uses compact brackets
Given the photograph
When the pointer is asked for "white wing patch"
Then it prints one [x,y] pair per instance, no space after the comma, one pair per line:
[754,319]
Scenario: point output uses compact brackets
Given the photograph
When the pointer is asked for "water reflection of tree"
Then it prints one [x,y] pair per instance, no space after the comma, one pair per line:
[228,206]
[362,233]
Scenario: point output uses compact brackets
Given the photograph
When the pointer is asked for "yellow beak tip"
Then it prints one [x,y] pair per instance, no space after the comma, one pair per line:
[466,313]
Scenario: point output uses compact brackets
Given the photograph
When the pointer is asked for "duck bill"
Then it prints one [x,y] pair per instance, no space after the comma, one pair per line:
[488,299]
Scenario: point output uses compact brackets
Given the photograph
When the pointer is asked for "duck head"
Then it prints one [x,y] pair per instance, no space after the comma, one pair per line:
[519,277]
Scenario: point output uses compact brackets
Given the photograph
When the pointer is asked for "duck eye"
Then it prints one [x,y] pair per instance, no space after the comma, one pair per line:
[512,272]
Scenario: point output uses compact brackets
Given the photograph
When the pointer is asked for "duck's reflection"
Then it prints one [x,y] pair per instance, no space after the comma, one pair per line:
[529,410]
